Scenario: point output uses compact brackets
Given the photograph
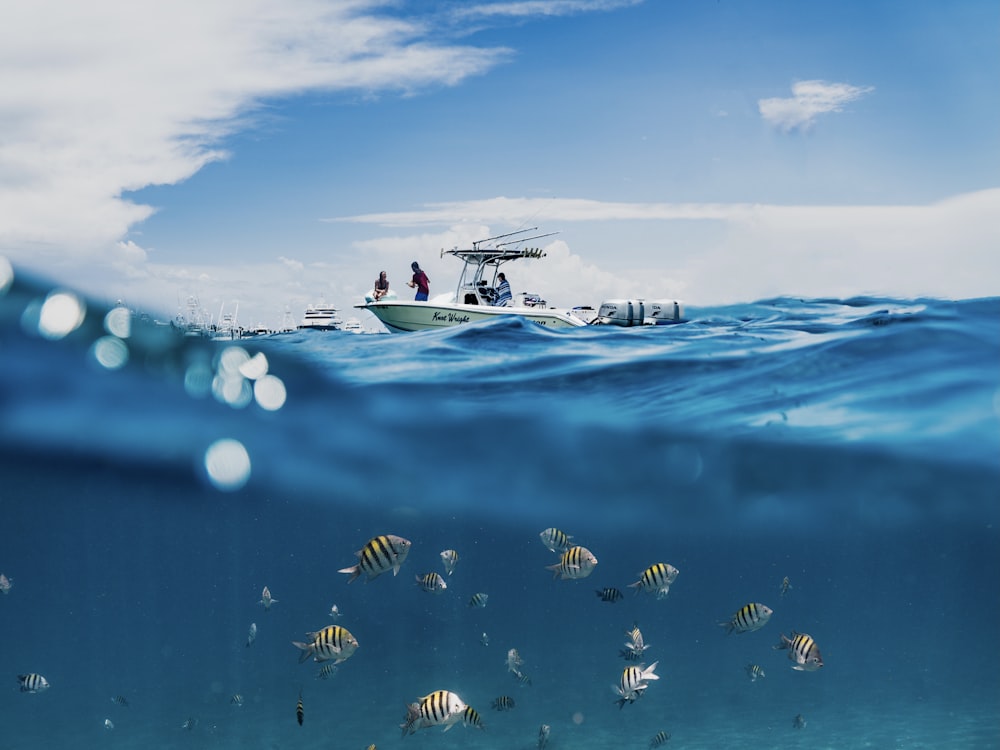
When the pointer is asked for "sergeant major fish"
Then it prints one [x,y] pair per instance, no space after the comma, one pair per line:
[610,595]
[449,559]
[479,600]
[120,700]
[802,650]
[575,563]
[754,672]
[555,540]
[432,583]
[471,718]
[380,554]
[659,738]
[32,683]
[503,703]
[5,584]
[332,642]
[657,578]
[300,713]
[749,617]
[634,682]
[514,660]
[266,599]
[440,708]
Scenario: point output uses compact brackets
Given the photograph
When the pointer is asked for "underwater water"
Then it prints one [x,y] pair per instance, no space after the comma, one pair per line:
[151,485]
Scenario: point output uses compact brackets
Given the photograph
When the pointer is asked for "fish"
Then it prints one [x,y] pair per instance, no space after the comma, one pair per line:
[522,679]
[785,586]
[484,639]
[610,595]
[251,634]
[440,708]
[802,650]
[380,554]
[659,739]
[300,713]
[555,540]
[335,613]
[372,747]
[189,723]
[120,700]
[657,578]
[332,642]
[236,700]
[32,683]
[503,703]
[749,617]
[471,718]
[634,682]
[754,672]
[575,563]
[630,654]
[6,584]
[326,671]
[479,600]
[635,644]
[514,660]
[266,599]
[799,722]
[543,736]
[432,583]
[449,558]
[108,724]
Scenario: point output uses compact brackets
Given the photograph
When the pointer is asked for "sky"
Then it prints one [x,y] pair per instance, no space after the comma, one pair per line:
[260,155]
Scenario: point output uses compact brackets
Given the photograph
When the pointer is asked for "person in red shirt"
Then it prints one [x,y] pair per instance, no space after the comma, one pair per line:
[420,282]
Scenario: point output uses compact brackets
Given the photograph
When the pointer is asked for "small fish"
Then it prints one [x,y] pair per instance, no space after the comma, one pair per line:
[659,738]
[236,700]
[802,650]
[575,563]
[252,634]
[440,708]
[749,617]
[108,724]
[635,644]
[610,595]
[6,584]
[190,723]
[634,682]
[266,599]
[335,613]
[120,700]
[472,718]
[785,586]
[503,703]
[327,671]
[380,554]
[432,583]
[332,642]
[372,747]
[484,639]
[799,722]
[32,683]
[657,578]
[555,540]
[514,660]
[479,600]
[449,558]
[630,654]
[543,736]
[300,713]
[754,672]
[522,679]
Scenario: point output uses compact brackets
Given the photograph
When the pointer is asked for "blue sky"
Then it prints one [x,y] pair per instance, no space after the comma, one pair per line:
[279,154]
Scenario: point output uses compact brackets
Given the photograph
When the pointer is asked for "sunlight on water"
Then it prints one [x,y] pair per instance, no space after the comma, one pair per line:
[269,391]
[61,314]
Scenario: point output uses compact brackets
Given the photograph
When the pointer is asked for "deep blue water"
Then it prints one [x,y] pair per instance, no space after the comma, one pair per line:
[851,445]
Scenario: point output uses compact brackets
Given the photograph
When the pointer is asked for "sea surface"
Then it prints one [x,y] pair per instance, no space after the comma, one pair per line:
[152,484]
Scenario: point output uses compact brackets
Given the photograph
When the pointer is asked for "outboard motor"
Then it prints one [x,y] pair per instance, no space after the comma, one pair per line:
[637,312]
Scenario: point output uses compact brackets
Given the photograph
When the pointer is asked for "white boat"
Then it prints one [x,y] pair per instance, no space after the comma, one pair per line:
[353,325]
[475,297]
[321,318]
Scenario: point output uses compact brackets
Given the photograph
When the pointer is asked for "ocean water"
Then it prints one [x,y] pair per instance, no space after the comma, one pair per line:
[152,484]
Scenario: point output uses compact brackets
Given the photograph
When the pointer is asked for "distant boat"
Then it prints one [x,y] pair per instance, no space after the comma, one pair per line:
[321,318]
[353,325]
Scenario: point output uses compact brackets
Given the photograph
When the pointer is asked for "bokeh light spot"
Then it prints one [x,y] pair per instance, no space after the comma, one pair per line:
[118,322]
[227,464]
[270,392]
[110,352]
[61,314]
[255,367]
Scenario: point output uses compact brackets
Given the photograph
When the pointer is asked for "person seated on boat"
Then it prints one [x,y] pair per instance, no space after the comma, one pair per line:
[504,297]
[488,293]
[381,287]
[420,282]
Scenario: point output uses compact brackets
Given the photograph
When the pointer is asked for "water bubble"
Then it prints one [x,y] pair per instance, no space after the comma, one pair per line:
[118,322]
[110,352]
[228,464]
[270,392]
[61,314]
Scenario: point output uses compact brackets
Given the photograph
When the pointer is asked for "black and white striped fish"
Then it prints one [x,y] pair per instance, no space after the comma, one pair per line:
[635,645]
[555,540]
[32,683]
[381,553]
[802,650]
[332,642]
[326,672]
[634,682]
[657,579]
[432,583]
[237,700]
[575,563]
[609,594]
[471,718]
[120,700]
[449,559]
[440,708]
[659,738]
[300,713]
[503,703]
[754,672]
[749,617]
[479,600]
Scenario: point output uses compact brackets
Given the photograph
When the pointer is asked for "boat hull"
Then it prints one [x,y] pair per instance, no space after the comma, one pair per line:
[406,317]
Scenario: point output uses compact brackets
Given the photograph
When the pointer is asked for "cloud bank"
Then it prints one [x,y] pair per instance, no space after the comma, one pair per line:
[809,100]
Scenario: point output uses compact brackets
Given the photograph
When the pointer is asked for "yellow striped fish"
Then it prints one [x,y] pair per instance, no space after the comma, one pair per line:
[555,540]
[575,563]
[472,719]
[440,708]
[802,649]
[657,579]
[380,554]
[634,682]
[754,672]
[450,559]
[432,583]
[332,642]
[749,617]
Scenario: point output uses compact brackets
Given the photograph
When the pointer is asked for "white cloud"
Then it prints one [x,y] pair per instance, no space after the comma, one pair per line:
[533,8]
[809,100]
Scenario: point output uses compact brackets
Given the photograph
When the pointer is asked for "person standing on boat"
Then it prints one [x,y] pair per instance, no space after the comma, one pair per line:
[504,297]
[381,287]
[420,282]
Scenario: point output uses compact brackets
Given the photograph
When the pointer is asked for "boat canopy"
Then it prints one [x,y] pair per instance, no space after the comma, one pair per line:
[481,260]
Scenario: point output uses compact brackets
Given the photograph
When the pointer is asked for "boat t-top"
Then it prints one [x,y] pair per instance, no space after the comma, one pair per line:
[476,297]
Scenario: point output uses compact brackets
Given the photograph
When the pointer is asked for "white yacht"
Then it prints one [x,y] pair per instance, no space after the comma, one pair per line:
[321,318]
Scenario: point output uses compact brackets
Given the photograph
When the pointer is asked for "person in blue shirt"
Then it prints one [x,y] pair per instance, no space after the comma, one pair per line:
[504,297]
